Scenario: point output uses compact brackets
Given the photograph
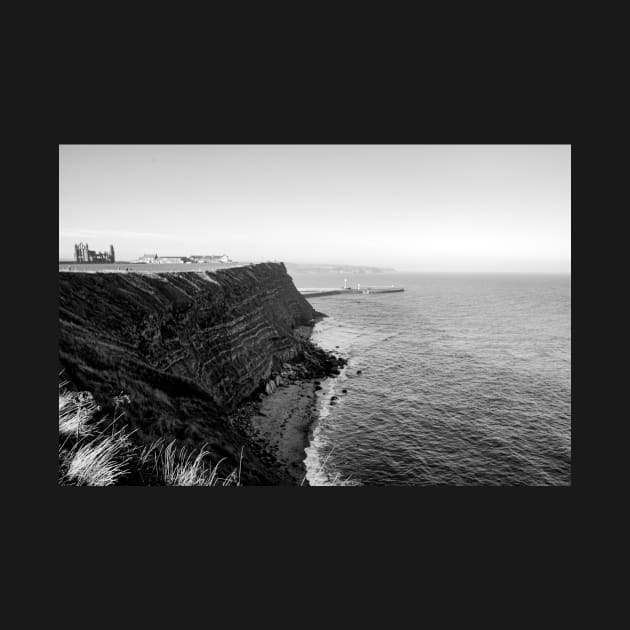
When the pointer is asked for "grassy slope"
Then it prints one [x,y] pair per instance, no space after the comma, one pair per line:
[95,451]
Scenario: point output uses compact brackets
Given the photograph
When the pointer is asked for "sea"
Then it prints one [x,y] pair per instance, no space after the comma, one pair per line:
[462,379]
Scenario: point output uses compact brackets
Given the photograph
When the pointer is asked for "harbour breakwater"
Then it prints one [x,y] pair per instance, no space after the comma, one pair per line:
[311,293]
[183,353]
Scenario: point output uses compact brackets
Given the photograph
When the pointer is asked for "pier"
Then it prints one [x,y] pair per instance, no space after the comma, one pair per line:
[319,292]
[365,290]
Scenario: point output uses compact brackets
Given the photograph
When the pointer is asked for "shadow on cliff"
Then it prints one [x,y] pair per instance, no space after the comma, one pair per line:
[185,349]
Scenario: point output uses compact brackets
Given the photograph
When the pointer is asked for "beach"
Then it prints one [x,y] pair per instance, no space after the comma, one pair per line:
[283,423]
[280,423]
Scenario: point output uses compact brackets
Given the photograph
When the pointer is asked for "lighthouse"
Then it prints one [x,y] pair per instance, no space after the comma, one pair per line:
[345,283]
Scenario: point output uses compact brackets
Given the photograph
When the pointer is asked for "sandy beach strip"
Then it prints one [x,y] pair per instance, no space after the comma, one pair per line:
[283,422]
[280,422]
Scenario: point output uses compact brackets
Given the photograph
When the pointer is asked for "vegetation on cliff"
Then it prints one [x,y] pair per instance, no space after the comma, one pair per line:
[180,353]
[187,349]
[94,451]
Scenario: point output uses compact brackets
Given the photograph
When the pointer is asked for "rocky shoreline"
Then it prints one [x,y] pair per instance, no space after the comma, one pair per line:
[220,360]
[275,425]
[279,420]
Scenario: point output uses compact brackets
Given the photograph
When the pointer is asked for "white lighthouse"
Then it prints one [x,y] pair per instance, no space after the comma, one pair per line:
[345,283]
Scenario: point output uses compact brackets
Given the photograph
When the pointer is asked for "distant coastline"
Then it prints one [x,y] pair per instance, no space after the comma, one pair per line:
[325,268]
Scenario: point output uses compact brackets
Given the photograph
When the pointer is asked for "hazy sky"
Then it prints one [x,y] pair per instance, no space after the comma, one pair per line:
[412,207]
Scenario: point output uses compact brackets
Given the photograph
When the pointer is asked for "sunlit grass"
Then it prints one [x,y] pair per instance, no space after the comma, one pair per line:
[74,415]
[92,452]
[100,462]
[179,467]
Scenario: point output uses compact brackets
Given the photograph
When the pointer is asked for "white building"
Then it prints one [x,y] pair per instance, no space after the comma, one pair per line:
[148,258]
[212,258]
[169,260]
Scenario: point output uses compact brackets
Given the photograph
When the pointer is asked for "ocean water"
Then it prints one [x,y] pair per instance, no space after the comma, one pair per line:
[466,380]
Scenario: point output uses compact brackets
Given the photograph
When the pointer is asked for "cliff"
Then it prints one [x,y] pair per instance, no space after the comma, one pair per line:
[187,348]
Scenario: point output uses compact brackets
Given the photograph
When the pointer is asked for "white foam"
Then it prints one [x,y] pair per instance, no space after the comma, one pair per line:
[328,334]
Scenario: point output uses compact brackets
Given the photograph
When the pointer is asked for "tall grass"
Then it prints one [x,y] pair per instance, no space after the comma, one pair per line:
[100,462]
[179,467]
[92,452]
[74,415]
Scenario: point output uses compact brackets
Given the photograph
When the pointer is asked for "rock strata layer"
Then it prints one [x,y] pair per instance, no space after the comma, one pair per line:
[185,350]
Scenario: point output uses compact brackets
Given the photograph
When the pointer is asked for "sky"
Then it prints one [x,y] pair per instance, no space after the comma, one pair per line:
[411,207]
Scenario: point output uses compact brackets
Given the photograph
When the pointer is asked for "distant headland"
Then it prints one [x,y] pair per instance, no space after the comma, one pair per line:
[324,268]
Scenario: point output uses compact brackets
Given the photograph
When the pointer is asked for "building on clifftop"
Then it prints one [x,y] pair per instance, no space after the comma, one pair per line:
[213,258]
[83,254]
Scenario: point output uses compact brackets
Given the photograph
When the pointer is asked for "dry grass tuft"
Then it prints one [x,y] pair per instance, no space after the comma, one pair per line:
[179,467]
[93,453]
[74,418]
[88,454]
[74,415]
[100,462]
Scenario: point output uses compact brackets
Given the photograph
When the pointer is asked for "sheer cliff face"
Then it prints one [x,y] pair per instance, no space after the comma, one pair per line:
[187,347]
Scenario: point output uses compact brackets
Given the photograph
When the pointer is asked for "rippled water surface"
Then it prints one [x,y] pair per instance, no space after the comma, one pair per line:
[466,380]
